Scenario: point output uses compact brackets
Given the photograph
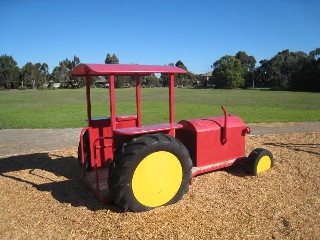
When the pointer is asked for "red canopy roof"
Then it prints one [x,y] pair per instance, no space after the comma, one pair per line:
[122,69]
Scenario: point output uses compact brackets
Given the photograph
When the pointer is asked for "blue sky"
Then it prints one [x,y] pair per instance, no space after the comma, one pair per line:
[155,31]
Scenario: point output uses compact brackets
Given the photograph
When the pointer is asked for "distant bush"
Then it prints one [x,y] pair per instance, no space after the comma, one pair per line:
[42,88]
[51,87]
[22,88]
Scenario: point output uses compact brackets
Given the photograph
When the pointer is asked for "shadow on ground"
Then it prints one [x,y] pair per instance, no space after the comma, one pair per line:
[70,191]
[310,148]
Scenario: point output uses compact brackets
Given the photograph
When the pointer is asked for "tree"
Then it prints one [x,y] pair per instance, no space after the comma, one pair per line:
[9,72]
[181,65]
[32,76]
[261,74]
[164,78]
[151,81]
[315,54]
[284,71]
[62,73]
[111,59]
[314,78]
[308,78]
[190,80]
[76,81]
[120,81]
[227,73]
[248,64]
[45,71]
[183,80]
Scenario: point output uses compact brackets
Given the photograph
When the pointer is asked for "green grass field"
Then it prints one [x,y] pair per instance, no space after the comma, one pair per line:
[67,108]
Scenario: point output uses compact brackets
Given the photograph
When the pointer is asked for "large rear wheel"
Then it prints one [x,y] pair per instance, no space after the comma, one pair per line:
[150,171]
[86,150]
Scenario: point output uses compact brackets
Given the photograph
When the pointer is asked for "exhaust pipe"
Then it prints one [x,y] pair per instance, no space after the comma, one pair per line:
[224,128]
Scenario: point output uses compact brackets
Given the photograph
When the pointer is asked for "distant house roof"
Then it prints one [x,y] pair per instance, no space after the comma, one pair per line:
[208,74]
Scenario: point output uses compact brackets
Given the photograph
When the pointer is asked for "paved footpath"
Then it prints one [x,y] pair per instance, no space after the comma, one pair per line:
[18,141]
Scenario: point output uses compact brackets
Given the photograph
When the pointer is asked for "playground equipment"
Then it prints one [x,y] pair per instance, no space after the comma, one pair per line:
[143,167]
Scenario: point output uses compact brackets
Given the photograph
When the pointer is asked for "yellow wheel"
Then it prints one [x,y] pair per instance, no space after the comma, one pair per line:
[157,179]
[259,160]
[150,171]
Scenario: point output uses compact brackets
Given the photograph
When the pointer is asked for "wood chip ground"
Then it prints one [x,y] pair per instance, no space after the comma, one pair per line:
[42,197]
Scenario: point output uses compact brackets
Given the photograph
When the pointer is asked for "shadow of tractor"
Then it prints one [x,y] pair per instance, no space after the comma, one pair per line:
[56,174]
[310,148]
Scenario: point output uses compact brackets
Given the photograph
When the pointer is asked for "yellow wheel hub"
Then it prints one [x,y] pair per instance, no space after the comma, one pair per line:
[264,164]
[157,179]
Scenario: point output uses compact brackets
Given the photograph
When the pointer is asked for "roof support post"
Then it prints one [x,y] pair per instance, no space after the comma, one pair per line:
[171,97]
[112,102]
[138,99]
[88,99]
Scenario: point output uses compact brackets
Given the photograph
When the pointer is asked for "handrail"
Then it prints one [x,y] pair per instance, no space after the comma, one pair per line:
[95,157]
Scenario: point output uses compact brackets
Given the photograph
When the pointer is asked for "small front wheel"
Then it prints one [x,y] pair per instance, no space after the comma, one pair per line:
[259,160]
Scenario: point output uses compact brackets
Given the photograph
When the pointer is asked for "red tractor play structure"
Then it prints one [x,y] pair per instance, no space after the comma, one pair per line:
[143,167]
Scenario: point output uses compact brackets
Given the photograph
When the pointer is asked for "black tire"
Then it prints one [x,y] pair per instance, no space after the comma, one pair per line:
[123,170]
[259,160]
[86,146]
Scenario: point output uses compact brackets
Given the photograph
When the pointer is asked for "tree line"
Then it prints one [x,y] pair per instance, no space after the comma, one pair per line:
[287,70]
[36,76]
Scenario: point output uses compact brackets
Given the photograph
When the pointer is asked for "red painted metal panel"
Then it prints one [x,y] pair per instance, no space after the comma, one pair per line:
[205,141]
[122,69]
[101,138]
[147,129]
[209,168]
[88,98]
[138,99]
[171,98]
[101,155]
[112,102]
[125,118]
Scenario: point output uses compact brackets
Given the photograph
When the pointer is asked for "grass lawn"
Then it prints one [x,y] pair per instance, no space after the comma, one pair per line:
[67,108]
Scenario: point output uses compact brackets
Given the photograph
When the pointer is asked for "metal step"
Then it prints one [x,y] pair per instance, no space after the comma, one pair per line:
[91,179]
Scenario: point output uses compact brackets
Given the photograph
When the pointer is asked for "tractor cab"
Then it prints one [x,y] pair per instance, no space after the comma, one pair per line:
[104,136]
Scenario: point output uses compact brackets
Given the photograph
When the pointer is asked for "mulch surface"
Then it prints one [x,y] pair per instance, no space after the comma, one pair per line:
[42,197]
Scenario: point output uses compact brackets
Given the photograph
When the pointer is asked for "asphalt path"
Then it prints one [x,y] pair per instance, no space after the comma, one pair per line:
[18,141]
